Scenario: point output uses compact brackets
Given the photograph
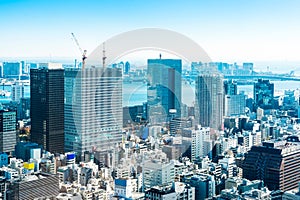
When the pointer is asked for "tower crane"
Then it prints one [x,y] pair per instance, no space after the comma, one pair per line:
[83,52]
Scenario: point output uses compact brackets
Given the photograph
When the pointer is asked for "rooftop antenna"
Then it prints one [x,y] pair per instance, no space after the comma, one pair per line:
[103,55]
[83,52]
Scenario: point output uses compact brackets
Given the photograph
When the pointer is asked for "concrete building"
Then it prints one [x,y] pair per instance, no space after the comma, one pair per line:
[178,191]
[205,185]
[85,175]
[157,193]
[201,143]
[28,150]
[276,163]
[178,124]
[125,187]
[156,173]
[34,186]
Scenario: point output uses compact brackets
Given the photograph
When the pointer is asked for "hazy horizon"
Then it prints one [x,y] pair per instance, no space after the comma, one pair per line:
[274,66]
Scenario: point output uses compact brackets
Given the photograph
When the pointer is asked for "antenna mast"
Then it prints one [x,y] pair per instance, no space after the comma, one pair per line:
[103,55]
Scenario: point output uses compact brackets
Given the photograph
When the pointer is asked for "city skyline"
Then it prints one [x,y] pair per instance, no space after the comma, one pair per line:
[186,100]
[227,31]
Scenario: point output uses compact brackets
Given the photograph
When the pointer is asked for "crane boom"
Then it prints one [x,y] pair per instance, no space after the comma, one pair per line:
[83,52]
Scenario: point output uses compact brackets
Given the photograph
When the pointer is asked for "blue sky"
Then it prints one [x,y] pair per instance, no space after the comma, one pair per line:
[236,30]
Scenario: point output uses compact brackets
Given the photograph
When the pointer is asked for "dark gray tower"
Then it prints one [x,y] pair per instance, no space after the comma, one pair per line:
[47,108]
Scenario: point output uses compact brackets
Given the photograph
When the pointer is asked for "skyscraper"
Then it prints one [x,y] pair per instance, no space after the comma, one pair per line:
[127,68]
[209,100]
[8,136]
[93,109]
[230,88]
[164,89]
[234,104]
[264,94]
[276,163]
[17,91]
[47,107]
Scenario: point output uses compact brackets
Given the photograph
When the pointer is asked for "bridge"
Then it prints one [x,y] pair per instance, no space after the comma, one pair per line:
[273,77]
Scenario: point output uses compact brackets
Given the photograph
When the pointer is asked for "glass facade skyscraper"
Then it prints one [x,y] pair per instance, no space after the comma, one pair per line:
[93,109]
[234,104]
[230,88]
[47,108]
[164,89]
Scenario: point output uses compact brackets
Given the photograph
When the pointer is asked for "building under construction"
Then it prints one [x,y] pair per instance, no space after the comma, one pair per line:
[93,109]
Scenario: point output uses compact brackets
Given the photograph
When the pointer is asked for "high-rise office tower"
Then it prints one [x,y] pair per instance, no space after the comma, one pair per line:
[264,94]
[93,110]
[127,68]
[276,163]
[164,89]
[234,104]
[8,136]
[47,106]
[209,100]
[17,91]
[230,88]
